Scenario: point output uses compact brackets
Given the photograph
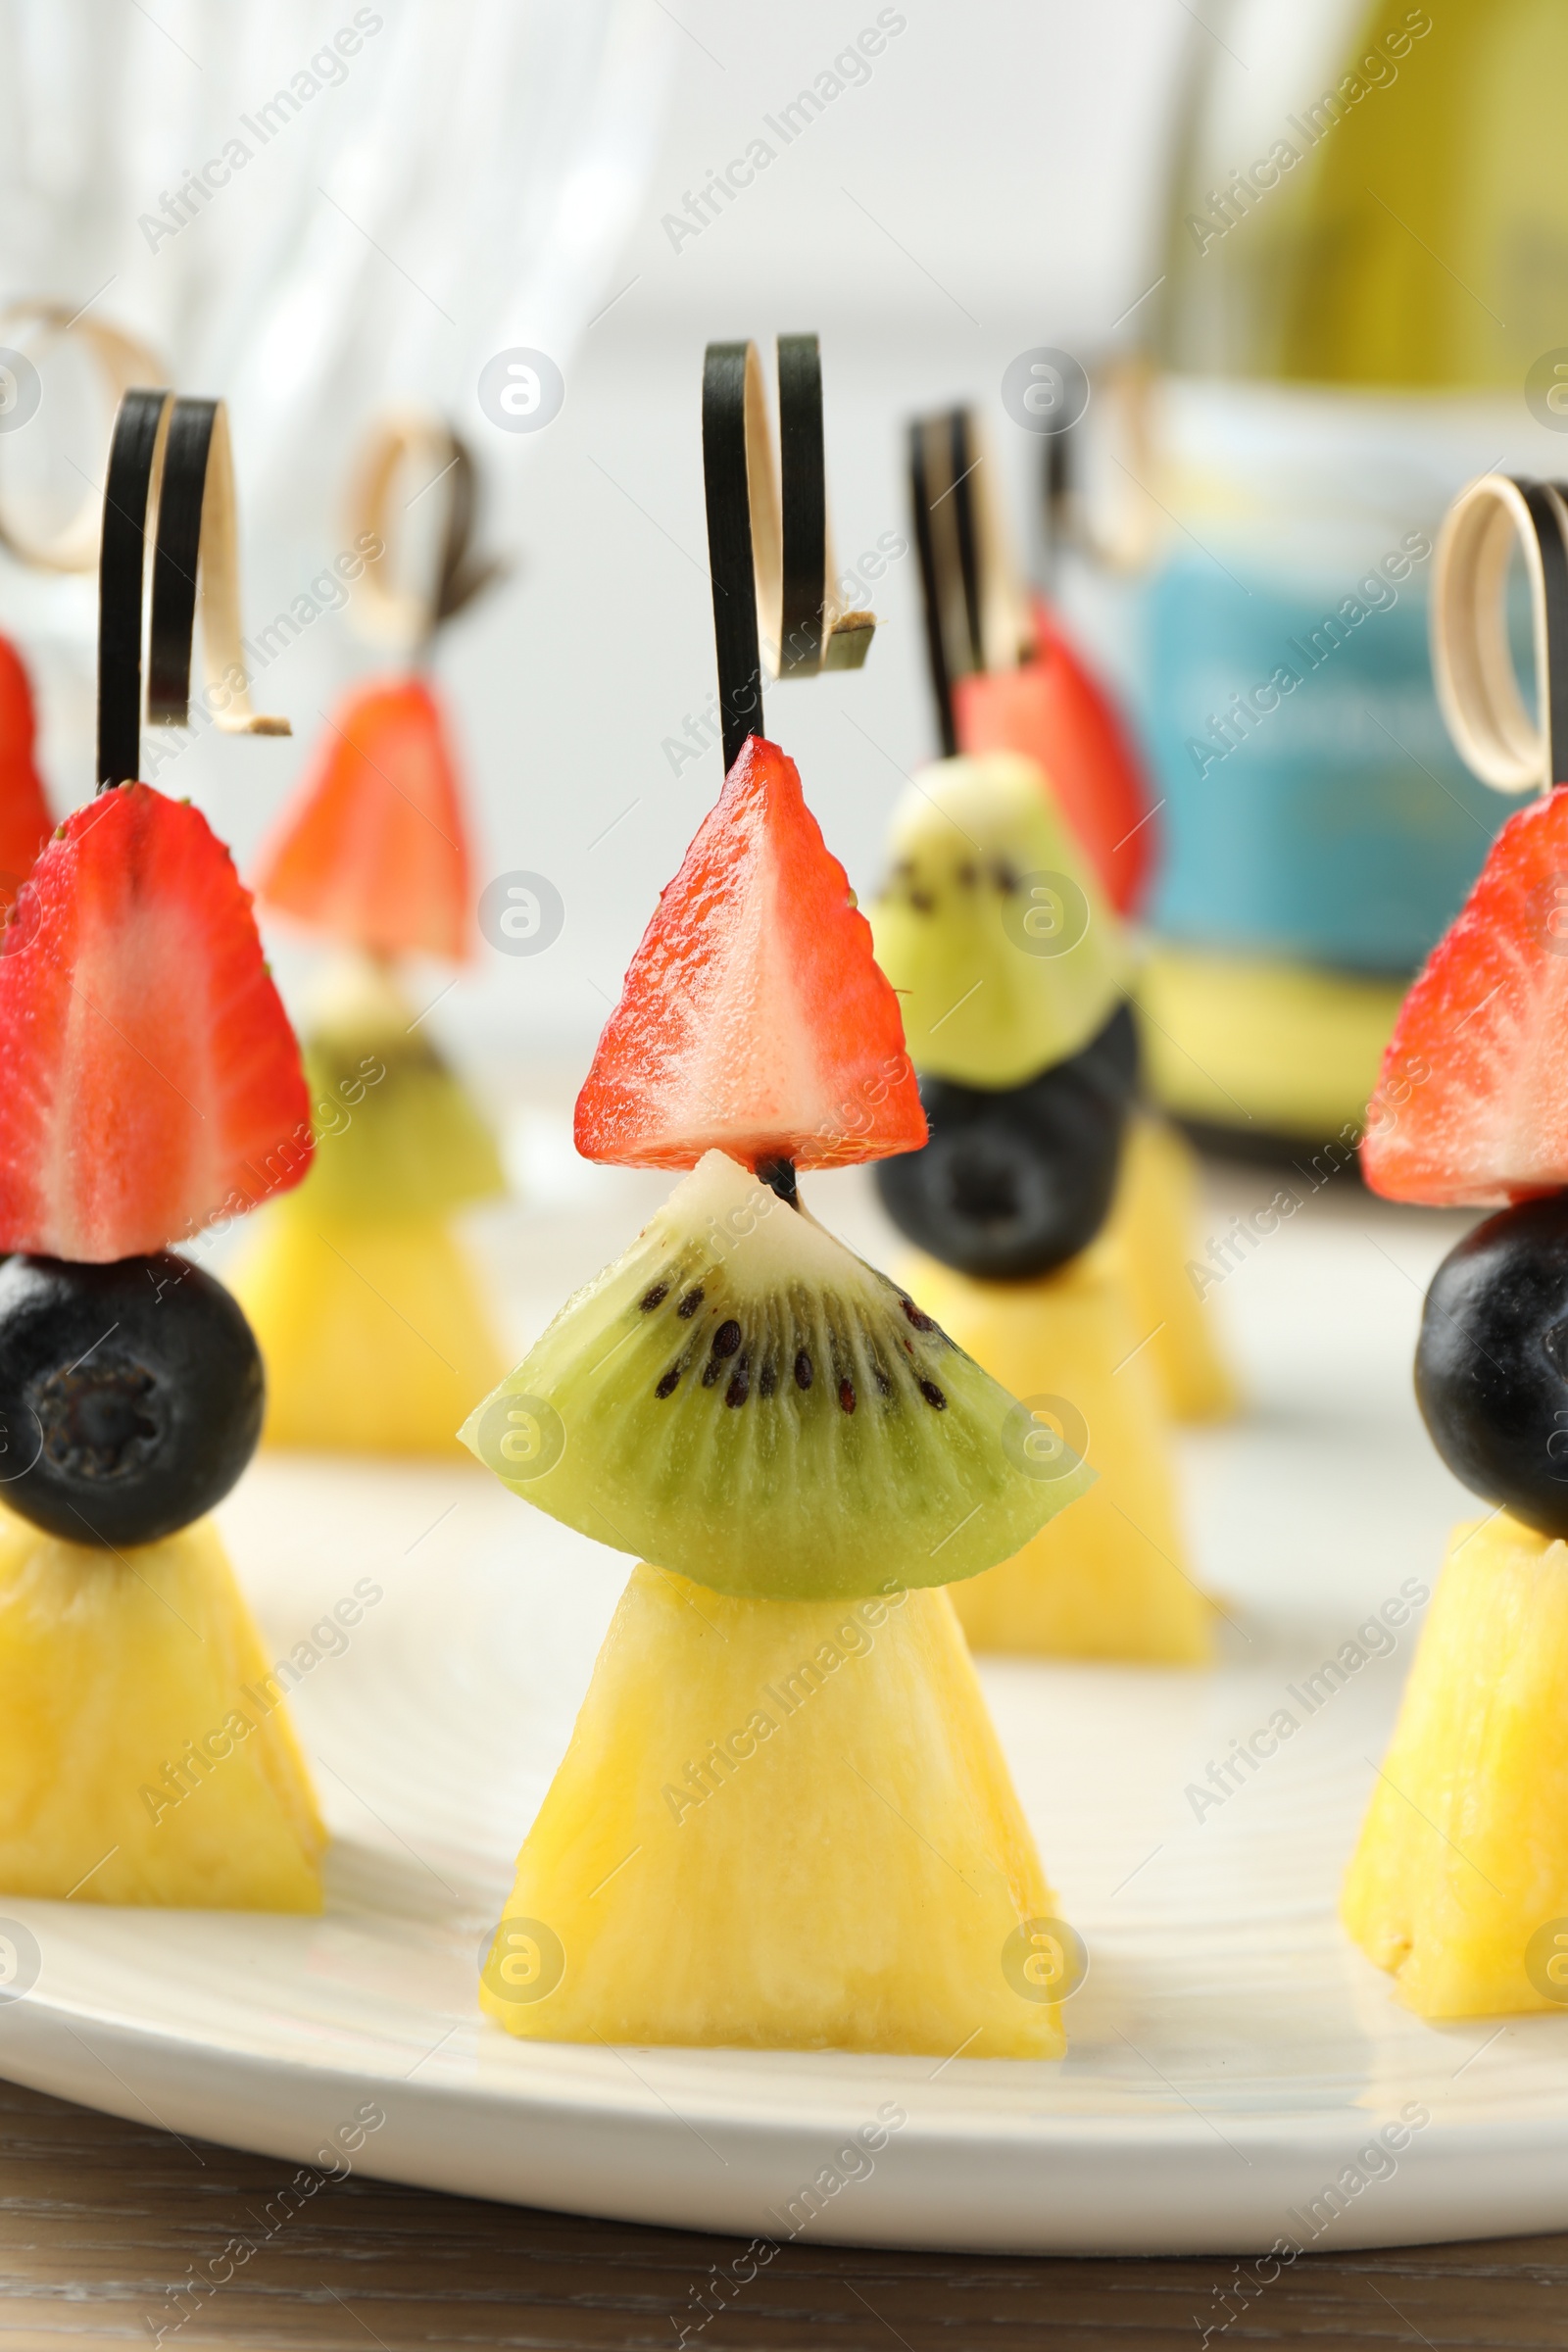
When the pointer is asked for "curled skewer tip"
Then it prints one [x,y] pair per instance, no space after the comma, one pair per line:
[1472,661]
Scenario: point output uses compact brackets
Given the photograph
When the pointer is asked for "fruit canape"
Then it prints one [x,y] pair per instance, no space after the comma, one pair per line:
[363,1299]
[150,1088]
[783,1819]
[1459,1882]
[1464,1854]
[1009,968]
[1008,677]
[784,1761]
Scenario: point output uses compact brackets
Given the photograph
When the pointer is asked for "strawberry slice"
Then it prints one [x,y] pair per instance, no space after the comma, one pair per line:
[753,1019]
[149,1079]
[24,819]
[1055,711]
[1471,1108]
[373,844]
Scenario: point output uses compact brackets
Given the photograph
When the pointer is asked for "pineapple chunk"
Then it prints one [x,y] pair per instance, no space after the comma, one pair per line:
[372,1329]
[1460,1885]
[1107,1579]
[1153,1218]
[113,1668]
[782,1825]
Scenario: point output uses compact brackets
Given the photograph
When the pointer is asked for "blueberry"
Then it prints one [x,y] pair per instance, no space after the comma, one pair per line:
[1114,1056]
[130,1396]
[1013,1181]
[1492,1363]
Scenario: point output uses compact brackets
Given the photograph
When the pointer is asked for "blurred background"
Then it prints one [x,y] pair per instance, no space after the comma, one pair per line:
[1309,260]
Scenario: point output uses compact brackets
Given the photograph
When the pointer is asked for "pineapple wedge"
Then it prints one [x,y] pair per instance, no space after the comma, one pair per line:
[1153,1218]
[781,1825]
[145,1756]
[1460,1885]
[373,1331]
[1107,1579]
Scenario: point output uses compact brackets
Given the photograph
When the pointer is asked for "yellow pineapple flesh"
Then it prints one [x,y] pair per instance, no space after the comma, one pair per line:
[145,1754]
[372,1330]
[1459,1884]
[782,1825]
[1107,1579]
[1154,1217]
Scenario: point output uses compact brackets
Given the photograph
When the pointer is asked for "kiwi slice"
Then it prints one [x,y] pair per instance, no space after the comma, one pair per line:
[397,1133]
[741,1399]
[991,925]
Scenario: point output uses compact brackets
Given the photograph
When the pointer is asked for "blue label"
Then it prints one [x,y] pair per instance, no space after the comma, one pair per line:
[1314,810]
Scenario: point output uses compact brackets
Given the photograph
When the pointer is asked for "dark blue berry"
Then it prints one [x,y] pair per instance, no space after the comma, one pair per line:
[130,1396]
[1492,1362]
[1015,1181]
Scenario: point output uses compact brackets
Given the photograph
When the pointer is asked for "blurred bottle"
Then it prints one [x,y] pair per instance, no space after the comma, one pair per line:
[1368,257]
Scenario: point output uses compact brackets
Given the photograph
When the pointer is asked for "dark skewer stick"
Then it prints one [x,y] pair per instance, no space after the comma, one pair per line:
[769,551]
[121,565]
[177,559]
[975,608]
[179,449]
[1545,514]
[726,474]
[963,457]
[802,475]
[779,1176]
[923,495]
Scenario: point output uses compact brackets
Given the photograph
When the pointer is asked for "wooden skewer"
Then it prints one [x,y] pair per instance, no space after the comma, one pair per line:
[122,362]
[174,456]
[198,553]
[769,549]
[135,451]
[1472,662]
[976,607]
[385,609]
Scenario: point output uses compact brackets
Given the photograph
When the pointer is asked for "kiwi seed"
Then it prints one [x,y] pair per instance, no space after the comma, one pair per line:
[933,1397]
[666,1386]
[656,1298]
[690,1304]
[803,1370]
[847,1396]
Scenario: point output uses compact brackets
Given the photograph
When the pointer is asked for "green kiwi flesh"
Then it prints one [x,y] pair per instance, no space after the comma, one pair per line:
[742,1400]
[397,1133]
[980,862]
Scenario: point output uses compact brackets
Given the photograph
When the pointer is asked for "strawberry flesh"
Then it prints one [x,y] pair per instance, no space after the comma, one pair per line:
[149,1078]
[1055,711]
[753,1019]
[373,847]
[1471,1109]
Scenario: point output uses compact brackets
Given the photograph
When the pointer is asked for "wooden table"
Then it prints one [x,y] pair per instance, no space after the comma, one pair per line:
[98,2220]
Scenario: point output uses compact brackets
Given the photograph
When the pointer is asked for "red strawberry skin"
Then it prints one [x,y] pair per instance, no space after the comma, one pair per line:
[753,1019]
[374,846]
[149,1079]
[1056,712]
[24,819]
[1471,1109]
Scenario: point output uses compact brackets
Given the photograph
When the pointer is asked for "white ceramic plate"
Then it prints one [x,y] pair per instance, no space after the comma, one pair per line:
[1231,2055]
